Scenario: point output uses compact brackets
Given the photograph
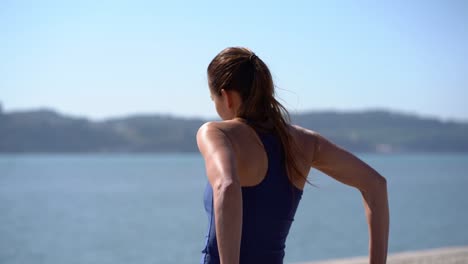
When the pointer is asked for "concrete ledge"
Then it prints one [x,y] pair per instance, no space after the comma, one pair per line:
[448,255]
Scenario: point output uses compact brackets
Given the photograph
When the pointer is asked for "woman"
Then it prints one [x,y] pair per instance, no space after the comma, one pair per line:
[257,165]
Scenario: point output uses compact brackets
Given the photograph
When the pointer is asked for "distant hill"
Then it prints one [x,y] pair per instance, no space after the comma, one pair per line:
[45,130]
[385,131]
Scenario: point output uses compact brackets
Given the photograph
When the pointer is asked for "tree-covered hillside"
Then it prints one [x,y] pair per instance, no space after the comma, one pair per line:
[368,131]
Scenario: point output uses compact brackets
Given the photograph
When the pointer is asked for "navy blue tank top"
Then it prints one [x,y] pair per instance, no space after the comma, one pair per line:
[268,212]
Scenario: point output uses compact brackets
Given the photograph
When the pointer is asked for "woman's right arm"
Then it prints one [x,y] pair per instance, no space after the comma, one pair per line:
[221,170]
[350,170]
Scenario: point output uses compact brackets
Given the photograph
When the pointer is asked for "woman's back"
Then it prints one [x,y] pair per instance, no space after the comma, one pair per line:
[269,199]
[251,155]
[251,209]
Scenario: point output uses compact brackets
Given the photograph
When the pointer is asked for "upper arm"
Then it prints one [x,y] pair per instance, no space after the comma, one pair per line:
[340,164]
[217,150]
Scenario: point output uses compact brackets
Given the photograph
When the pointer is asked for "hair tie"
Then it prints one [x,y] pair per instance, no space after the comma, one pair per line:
[252,57]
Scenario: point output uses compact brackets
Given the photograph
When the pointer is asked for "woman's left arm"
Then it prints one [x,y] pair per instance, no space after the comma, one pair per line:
[221,170]
[350,170]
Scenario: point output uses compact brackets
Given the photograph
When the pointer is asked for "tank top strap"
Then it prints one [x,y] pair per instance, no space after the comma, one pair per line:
[274,151]
[268,138]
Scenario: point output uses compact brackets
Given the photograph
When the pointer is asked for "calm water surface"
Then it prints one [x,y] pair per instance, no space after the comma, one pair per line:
[115,209]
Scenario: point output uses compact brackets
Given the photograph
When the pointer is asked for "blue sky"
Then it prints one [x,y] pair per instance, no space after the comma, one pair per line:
[110,58]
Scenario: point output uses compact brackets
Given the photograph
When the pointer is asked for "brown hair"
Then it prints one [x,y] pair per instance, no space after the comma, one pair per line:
[239,69]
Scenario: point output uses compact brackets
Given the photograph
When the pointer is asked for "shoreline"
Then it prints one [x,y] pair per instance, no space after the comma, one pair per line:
[445,255]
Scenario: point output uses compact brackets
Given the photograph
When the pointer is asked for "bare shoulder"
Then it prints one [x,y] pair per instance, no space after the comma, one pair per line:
[307,140]
[210,125]
[301,130]
[204,130]
[209,130]
[303,136]
[211,139]
[225,125]
[216,130]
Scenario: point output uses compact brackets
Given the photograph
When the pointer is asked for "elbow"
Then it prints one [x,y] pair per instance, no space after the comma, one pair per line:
[378,185]
[225,187]
[382,181]
[226,195]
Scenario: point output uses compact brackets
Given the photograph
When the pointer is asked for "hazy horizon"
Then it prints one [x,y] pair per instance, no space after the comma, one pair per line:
[213,117]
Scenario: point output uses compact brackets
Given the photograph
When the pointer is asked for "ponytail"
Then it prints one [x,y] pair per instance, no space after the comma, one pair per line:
[241,70]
